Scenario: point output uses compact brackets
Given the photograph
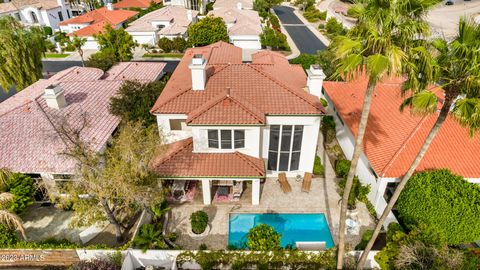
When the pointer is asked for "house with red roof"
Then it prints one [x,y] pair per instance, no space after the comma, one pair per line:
[232,124]
[129,4]
[30,120]
[393,138]
[93,23]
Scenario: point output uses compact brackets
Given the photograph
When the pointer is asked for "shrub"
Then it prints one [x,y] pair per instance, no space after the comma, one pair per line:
[342,166]
[314,15]
[274,39]
[179,44]
[103,60]
[199,221]
[8,237]
[445,202]
[318,168]
[263,238]
[273,20]
[165,44]
[358,192]
[50,46]
[95,264]
[23,188]
[334,28]
[150,237]
[324,103]
[306,60]
[203,246]
[47,30]
[207,31]
[366,236]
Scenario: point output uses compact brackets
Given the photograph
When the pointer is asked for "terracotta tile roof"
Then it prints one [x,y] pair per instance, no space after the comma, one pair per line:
[392,138]
[246,4]
[140,71]
[226,109]
[242,21]
[176,15]
[180,161]
[7,7]
[135,3]
[98,18]
[270,89]
[29,142]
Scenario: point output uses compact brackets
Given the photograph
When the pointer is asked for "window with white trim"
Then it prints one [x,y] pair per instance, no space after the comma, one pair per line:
[285,147]
[226,138]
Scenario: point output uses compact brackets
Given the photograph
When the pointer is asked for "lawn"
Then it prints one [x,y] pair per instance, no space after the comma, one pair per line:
[163,55]
[56,55]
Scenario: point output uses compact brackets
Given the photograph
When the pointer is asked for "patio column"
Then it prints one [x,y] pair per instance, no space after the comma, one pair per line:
[207,196]
[256,191]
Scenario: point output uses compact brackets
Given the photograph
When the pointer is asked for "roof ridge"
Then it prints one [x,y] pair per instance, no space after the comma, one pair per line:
[245,107]
[186,142]
[284,86]
[181,92]
[404,145]
[253,165]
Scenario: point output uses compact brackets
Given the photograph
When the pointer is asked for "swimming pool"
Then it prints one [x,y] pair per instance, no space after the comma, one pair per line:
[293,227]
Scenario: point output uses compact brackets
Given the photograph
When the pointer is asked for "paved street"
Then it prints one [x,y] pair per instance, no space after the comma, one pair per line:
[306,41]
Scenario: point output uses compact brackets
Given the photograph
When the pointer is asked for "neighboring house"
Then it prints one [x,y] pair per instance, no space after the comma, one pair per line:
[244,25]
[393,138]
[129,4]
[244,4]
[169,22]
[93,23]
[233,123]
[29,141]
[37,12]
[198,5]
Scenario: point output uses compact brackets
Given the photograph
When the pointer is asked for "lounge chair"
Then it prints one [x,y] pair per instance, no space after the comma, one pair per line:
[311,246]
[284,185]
[307,182]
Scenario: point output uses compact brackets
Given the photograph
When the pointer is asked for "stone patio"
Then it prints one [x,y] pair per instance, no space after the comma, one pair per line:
[323,198]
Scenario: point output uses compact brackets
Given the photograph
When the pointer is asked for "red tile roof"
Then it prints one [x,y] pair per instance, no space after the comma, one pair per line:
[392,138]
[180,161]
[273,88]
[98,18]
[135,3]
[29,142]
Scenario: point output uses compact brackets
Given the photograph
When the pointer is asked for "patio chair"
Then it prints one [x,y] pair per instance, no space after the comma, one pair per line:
[307,182]
[284,185]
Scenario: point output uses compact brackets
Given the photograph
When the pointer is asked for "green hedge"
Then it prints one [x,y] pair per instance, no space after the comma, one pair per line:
[318,168]
[283,259]
[314,15]
[199,221]
[50,243]
[342,166]
[445,202]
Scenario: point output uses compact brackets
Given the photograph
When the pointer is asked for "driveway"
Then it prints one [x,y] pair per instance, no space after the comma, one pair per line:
[444,19]
[306,41]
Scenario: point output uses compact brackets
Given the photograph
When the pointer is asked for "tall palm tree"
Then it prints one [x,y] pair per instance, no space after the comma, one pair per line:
[7,218]
[457,68]
[375,48]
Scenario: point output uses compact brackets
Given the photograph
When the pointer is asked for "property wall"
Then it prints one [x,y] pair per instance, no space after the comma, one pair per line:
[311,126]
[252,140]
[246,41]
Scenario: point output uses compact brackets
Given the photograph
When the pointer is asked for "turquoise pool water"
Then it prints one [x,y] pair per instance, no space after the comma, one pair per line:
[293,227]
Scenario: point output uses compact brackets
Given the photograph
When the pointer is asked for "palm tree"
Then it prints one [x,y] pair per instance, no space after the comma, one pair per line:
[375,48]
[7,218]
[457,68]
[78,42]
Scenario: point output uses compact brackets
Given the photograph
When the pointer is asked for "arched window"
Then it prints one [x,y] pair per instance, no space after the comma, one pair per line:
[34,17]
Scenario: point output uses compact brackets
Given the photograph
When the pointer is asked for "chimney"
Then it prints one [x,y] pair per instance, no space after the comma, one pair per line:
[109,6]
[199,72]
[190,15]
[239,5]
[55,97]
[315,80]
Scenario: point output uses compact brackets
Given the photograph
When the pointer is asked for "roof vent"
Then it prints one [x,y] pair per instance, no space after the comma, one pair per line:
[55,97]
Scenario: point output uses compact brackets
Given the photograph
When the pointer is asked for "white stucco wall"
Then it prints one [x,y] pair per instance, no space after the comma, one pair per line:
[163,122]
[246,41]
[311,126]
[252,140]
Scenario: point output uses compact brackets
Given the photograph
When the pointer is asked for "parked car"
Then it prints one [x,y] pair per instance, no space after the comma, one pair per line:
[449,2]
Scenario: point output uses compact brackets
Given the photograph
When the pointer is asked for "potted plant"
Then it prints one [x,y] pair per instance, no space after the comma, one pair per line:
[199,224]
[359,192]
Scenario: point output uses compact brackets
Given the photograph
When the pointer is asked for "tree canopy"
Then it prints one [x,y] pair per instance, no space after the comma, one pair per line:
[445,202]
[207,31]
[263,238]
[21,51]
[116,42]
[134,101]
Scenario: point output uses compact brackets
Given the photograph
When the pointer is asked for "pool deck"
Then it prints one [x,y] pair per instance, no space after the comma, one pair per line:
[323,198]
